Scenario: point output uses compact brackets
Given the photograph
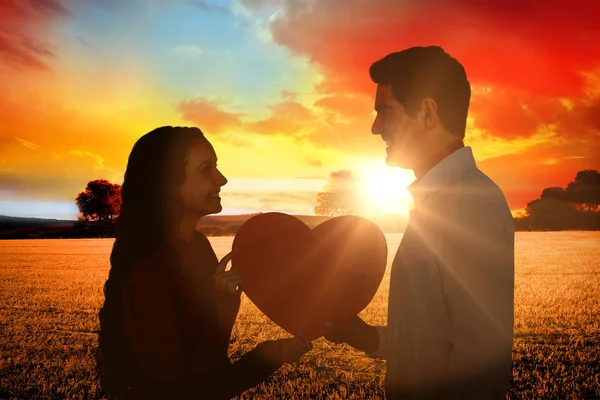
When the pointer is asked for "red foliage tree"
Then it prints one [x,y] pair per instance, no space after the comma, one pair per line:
[100,201]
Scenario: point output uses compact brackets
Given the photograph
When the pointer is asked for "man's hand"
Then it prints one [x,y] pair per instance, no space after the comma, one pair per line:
[227,281]
[281,351]
[355,332]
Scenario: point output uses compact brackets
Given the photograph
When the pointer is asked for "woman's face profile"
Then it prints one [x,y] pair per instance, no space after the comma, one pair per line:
[199,192]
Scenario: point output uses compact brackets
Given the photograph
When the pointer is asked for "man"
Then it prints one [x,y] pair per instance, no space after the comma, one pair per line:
[451,300]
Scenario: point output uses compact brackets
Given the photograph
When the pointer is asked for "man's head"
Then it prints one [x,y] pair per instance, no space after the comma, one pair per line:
[422,102]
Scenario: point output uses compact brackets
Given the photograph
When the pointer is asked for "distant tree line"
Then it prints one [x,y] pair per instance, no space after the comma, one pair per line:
[575,207]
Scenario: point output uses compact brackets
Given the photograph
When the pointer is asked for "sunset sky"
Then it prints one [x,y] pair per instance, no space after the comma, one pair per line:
[282,90]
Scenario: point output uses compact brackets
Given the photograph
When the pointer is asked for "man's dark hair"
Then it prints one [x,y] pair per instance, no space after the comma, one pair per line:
[427,72]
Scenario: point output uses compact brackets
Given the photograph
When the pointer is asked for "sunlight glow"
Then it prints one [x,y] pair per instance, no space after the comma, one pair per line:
[386,188]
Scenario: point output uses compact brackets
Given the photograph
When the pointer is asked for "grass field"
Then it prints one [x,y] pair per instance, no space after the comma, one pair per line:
[51,290]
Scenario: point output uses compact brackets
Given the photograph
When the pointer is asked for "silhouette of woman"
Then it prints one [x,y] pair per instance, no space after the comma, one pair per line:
[169,304]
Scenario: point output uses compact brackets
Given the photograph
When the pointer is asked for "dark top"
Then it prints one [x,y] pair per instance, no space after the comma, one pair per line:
[179,327]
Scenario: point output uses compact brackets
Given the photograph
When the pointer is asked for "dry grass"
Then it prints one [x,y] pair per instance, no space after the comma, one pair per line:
[51,291]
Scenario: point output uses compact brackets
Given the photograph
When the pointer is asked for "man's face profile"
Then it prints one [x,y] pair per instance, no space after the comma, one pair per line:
[396,128]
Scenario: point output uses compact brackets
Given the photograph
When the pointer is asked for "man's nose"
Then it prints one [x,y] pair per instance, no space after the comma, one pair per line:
[376,128]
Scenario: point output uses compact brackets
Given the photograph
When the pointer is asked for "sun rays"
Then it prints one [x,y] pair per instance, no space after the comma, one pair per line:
[385,188]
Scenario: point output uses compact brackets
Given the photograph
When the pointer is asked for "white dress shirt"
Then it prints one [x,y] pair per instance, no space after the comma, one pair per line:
[451,300]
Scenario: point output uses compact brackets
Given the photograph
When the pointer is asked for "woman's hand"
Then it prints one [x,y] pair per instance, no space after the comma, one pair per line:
[227,281]
[281,351]
[355,332]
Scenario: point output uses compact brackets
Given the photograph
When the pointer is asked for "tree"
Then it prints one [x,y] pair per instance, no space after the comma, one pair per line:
[584,190]
[342,195]
[551,214]
[101,200]
[557,193]
[575,207]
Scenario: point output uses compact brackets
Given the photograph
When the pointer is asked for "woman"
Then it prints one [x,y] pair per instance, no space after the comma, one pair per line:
[169,304]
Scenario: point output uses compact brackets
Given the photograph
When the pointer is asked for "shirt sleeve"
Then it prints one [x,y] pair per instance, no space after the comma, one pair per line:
[415,341]
[418,327]
[384,345]
[478,282]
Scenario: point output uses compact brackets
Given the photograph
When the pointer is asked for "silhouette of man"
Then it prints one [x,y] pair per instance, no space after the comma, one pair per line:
[451,299]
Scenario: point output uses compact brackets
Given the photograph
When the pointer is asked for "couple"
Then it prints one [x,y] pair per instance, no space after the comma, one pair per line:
[170,304]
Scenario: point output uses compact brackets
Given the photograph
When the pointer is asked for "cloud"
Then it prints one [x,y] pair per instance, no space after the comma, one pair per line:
[208,7]
[189,50]
[287,117]
[28,144]
[330,122]
[288,201]
[208,114]
[313,162]
[51,125]
[553,163]
[499,42]
[23,36]
[54,175]
[344,104]
[98,159]
[515,113]
[28,186]
[259,5]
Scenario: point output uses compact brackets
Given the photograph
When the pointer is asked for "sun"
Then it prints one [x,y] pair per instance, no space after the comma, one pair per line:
[385,188]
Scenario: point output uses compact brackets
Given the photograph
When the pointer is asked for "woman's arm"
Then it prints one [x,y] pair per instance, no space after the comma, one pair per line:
[151,324]
[169,367]
[230,380]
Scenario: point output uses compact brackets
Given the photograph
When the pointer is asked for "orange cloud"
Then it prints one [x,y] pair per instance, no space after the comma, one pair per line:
[208,115]
[512,113]
[522,176]
[287,117]
[33,172]
[23,37]
[347,105]
[339,122]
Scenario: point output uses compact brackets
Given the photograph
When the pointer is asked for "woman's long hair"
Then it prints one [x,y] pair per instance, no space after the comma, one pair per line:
[149,212]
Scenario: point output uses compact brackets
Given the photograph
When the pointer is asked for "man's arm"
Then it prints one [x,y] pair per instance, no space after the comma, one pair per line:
[418,321]
[478,280]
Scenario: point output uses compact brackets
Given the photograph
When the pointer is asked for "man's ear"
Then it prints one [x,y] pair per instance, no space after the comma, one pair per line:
[429,112]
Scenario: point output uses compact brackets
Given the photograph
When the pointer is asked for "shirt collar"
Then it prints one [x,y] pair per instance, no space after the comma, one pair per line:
[444,172]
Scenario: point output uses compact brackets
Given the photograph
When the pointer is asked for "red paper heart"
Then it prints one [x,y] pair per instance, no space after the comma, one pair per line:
[301,278]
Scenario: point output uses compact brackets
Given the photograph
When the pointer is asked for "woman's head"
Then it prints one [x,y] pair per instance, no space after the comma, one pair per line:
[171,172]
[198,195]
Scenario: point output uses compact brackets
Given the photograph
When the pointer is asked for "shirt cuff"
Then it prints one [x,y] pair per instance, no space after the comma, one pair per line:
[381,352]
